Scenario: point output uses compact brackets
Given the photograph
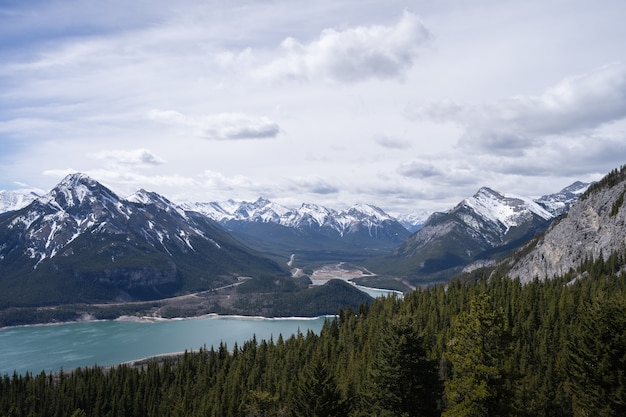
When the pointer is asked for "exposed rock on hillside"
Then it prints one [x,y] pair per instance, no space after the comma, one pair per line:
[595,225]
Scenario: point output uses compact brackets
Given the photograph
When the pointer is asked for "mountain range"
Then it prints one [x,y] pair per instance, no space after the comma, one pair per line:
[82,243]
[311,232]
[475,233]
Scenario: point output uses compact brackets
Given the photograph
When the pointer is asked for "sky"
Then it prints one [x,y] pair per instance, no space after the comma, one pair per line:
[406,105]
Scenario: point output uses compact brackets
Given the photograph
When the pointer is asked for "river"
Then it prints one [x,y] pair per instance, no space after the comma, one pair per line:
[71,345]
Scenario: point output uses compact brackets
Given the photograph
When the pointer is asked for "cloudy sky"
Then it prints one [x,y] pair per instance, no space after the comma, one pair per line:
[407,105]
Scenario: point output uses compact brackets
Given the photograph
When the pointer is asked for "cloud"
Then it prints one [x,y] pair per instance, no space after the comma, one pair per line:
[447,171]
[576,104]
[352,55]
[136,157]
[221,126]
[419,169]
[391,143]
[314,185]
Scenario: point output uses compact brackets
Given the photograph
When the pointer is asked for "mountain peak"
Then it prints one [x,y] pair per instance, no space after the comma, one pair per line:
[76,190]
[504,209]
[560,203]
[488,192]
[77,178]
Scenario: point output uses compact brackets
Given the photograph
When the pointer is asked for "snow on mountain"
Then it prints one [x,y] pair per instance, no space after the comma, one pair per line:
[78,204]
[413,221]
[560,203]
[306,216]
[53,220]
[475,232]
[15,200]
[89,239]
[507,210]
[148,197]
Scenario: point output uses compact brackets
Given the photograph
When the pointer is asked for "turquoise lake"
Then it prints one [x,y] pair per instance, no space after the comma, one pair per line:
[71,345]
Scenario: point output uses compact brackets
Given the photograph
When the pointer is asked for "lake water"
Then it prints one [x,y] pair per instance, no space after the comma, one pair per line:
[372,292]
[73,345]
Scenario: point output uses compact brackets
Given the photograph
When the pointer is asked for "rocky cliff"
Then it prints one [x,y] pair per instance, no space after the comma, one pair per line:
[595,225]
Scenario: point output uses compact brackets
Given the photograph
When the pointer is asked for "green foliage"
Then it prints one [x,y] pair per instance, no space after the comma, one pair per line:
[477,353]
[405,381]
[597,360]
[317,393]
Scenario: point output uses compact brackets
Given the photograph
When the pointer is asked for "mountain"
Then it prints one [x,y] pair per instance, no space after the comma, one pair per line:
[479,230]
[560,203]
[15,200]
[594,227]
[414,221]
[310,231]
[81,242]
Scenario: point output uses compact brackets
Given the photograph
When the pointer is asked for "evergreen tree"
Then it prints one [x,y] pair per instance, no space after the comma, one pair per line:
[597,361]
[317,394]
[405,381]
[477,353]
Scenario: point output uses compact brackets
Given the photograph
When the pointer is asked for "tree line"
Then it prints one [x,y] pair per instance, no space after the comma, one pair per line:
[484,345]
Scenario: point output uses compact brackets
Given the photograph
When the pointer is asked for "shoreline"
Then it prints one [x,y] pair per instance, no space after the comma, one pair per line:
[157,319]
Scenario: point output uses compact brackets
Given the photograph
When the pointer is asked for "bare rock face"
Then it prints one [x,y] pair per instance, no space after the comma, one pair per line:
[595,225]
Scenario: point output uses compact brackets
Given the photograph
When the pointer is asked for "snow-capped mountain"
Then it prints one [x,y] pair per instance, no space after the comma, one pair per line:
[560,203]
[307,216]
[272,228]
[414,221]
[498,213]
[81,241]
[478,230]
[15,200]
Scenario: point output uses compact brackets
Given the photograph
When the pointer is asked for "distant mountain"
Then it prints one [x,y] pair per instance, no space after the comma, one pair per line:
[414,221]
[560,203]
[312,231]
[81,242]
[479,230]
[594,227]
[15,200]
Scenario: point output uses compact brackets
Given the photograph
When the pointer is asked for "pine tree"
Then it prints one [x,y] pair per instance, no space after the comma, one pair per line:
[404,381]
[597,360]
[317,394]
[477,353]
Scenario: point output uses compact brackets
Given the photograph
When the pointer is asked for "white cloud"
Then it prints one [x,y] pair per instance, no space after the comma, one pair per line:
[221,126]
[78,83]
[354,54]
[136,157]
[580,103]
[391,143]
[419,169]
[314,185]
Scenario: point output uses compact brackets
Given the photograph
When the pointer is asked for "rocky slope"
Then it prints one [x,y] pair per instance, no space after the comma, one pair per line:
[594,226]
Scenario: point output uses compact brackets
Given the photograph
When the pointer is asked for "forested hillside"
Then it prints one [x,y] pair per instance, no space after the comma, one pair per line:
[477,347]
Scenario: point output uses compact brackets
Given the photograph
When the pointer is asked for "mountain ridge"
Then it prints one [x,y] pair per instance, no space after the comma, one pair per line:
[81,242]
[476,232]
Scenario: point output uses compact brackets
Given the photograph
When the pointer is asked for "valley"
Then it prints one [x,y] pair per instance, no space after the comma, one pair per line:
[82,251]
